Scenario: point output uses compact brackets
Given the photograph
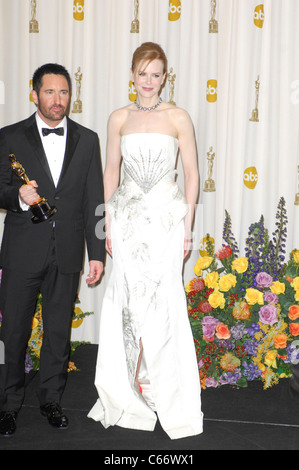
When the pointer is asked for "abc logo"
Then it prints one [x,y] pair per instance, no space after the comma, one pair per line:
[250,177]
[212,91]
[203,246]
[2,92]
[175,9]
[259,16]
[132,92]
[78,10]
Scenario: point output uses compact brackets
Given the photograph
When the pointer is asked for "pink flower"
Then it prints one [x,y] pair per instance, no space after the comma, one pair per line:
[209,325]
[268,315]
[264,280]
[270,297]
[211,382]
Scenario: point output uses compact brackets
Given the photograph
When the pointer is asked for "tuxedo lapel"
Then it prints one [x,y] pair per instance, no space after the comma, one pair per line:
[34,139]
[73,137]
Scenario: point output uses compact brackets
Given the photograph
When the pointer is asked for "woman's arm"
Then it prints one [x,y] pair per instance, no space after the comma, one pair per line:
[188,152]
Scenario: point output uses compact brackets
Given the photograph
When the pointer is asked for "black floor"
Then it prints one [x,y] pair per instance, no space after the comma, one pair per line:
[235,419]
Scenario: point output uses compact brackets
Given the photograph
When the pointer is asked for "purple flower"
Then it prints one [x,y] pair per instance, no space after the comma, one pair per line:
[230,377]
[254,328]
[238,331]
[28,364]
[209,325]
[293,355]
[251,347]
[264,280]
[268,315]
[270,297]
[251,371]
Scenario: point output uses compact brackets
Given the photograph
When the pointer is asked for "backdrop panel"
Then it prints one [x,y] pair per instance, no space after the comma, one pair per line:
[234,66]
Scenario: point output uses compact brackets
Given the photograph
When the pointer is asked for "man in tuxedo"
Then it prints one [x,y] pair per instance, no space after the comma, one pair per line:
[62,159]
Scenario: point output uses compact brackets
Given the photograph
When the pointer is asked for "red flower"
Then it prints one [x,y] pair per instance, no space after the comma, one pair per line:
[204,307]
[224,252]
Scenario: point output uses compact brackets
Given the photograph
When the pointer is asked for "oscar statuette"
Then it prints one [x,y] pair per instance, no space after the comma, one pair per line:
[40,209]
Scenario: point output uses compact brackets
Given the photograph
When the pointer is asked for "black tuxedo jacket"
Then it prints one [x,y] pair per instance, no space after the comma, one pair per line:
[76,197]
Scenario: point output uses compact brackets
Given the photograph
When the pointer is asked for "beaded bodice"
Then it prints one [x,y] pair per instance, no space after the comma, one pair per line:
[149,158]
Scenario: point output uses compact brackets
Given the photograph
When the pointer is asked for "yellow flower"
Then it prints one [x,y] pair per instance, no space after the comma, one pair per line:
[270,359]
[229,362]
[227,282]
[297,296]
[296,256]
[35,323]
[240,265]
[278,288]
[211,280]
[216,299]
[254,296]
[261,367]
[295,283]
[202,263]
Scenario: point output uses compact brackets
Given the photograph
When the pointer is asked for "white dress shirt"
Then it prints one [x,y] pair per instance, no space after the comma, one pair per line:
[54,147]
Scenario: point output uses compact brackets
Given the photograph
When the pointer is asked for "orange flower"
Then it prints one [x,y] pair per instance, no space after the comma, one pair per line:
[280,341]
[294,312]
[222,331]
[294,329]
[241,311]
[209,340]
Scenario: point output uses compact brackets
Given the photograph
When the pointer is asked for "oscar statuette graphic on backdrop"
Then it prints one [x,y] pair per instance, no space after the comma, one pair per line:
[213,24]
[135,22]
[33,24]
[77,106]
[255,112]
[210,186]
[171,82]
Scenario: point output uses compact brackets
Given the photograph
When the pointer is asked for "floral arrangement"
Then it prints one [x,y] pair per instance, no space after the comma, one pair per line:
[244,311]
[32,360]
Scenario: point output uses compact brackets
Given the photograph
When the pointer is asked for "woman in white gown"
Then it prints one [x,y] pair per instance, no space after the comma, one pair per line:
[146,360]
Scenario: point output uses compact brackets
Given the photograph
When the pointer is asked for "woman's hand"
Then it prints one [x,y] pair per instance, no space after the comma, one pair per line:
[187,247]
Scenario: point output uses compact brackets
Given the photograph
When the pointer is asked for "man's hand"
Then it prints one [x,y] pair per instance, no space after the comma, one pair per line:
[28,193]
[96,269]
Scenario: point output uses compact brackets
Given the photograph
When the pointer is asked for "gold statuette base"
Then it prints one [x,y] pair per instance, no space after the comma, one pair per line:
[33,26]
[210,186]
[213,26]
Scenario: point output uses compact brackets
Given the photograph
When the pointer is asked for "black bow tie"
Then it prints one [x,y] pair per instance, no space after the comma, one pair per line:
[58,131]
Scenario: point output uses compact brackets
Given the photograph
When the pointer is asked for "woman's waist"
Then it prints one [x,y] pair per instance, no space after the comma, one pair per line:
[147,185]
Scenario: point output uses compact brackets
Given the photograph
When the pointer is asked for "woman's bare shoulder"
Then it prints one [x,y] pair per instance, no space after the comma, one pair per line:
[119,116]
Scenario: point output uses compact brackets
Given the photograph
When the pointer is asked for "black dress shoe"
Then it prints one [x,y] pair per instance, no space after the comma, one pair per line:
[55,415]
[8,423]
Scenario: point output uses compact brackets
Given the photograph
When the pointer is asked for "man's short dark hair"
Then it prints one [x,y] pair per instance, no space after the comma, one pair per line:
[46,69]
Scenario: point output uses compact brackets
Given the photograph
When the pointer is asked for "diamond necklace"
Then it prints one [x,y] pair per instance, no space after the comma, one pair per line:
[148,109]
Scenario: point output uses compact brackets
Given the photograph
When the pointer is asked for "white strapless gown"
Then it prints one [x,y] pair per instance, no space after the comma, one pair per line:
[145,300]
